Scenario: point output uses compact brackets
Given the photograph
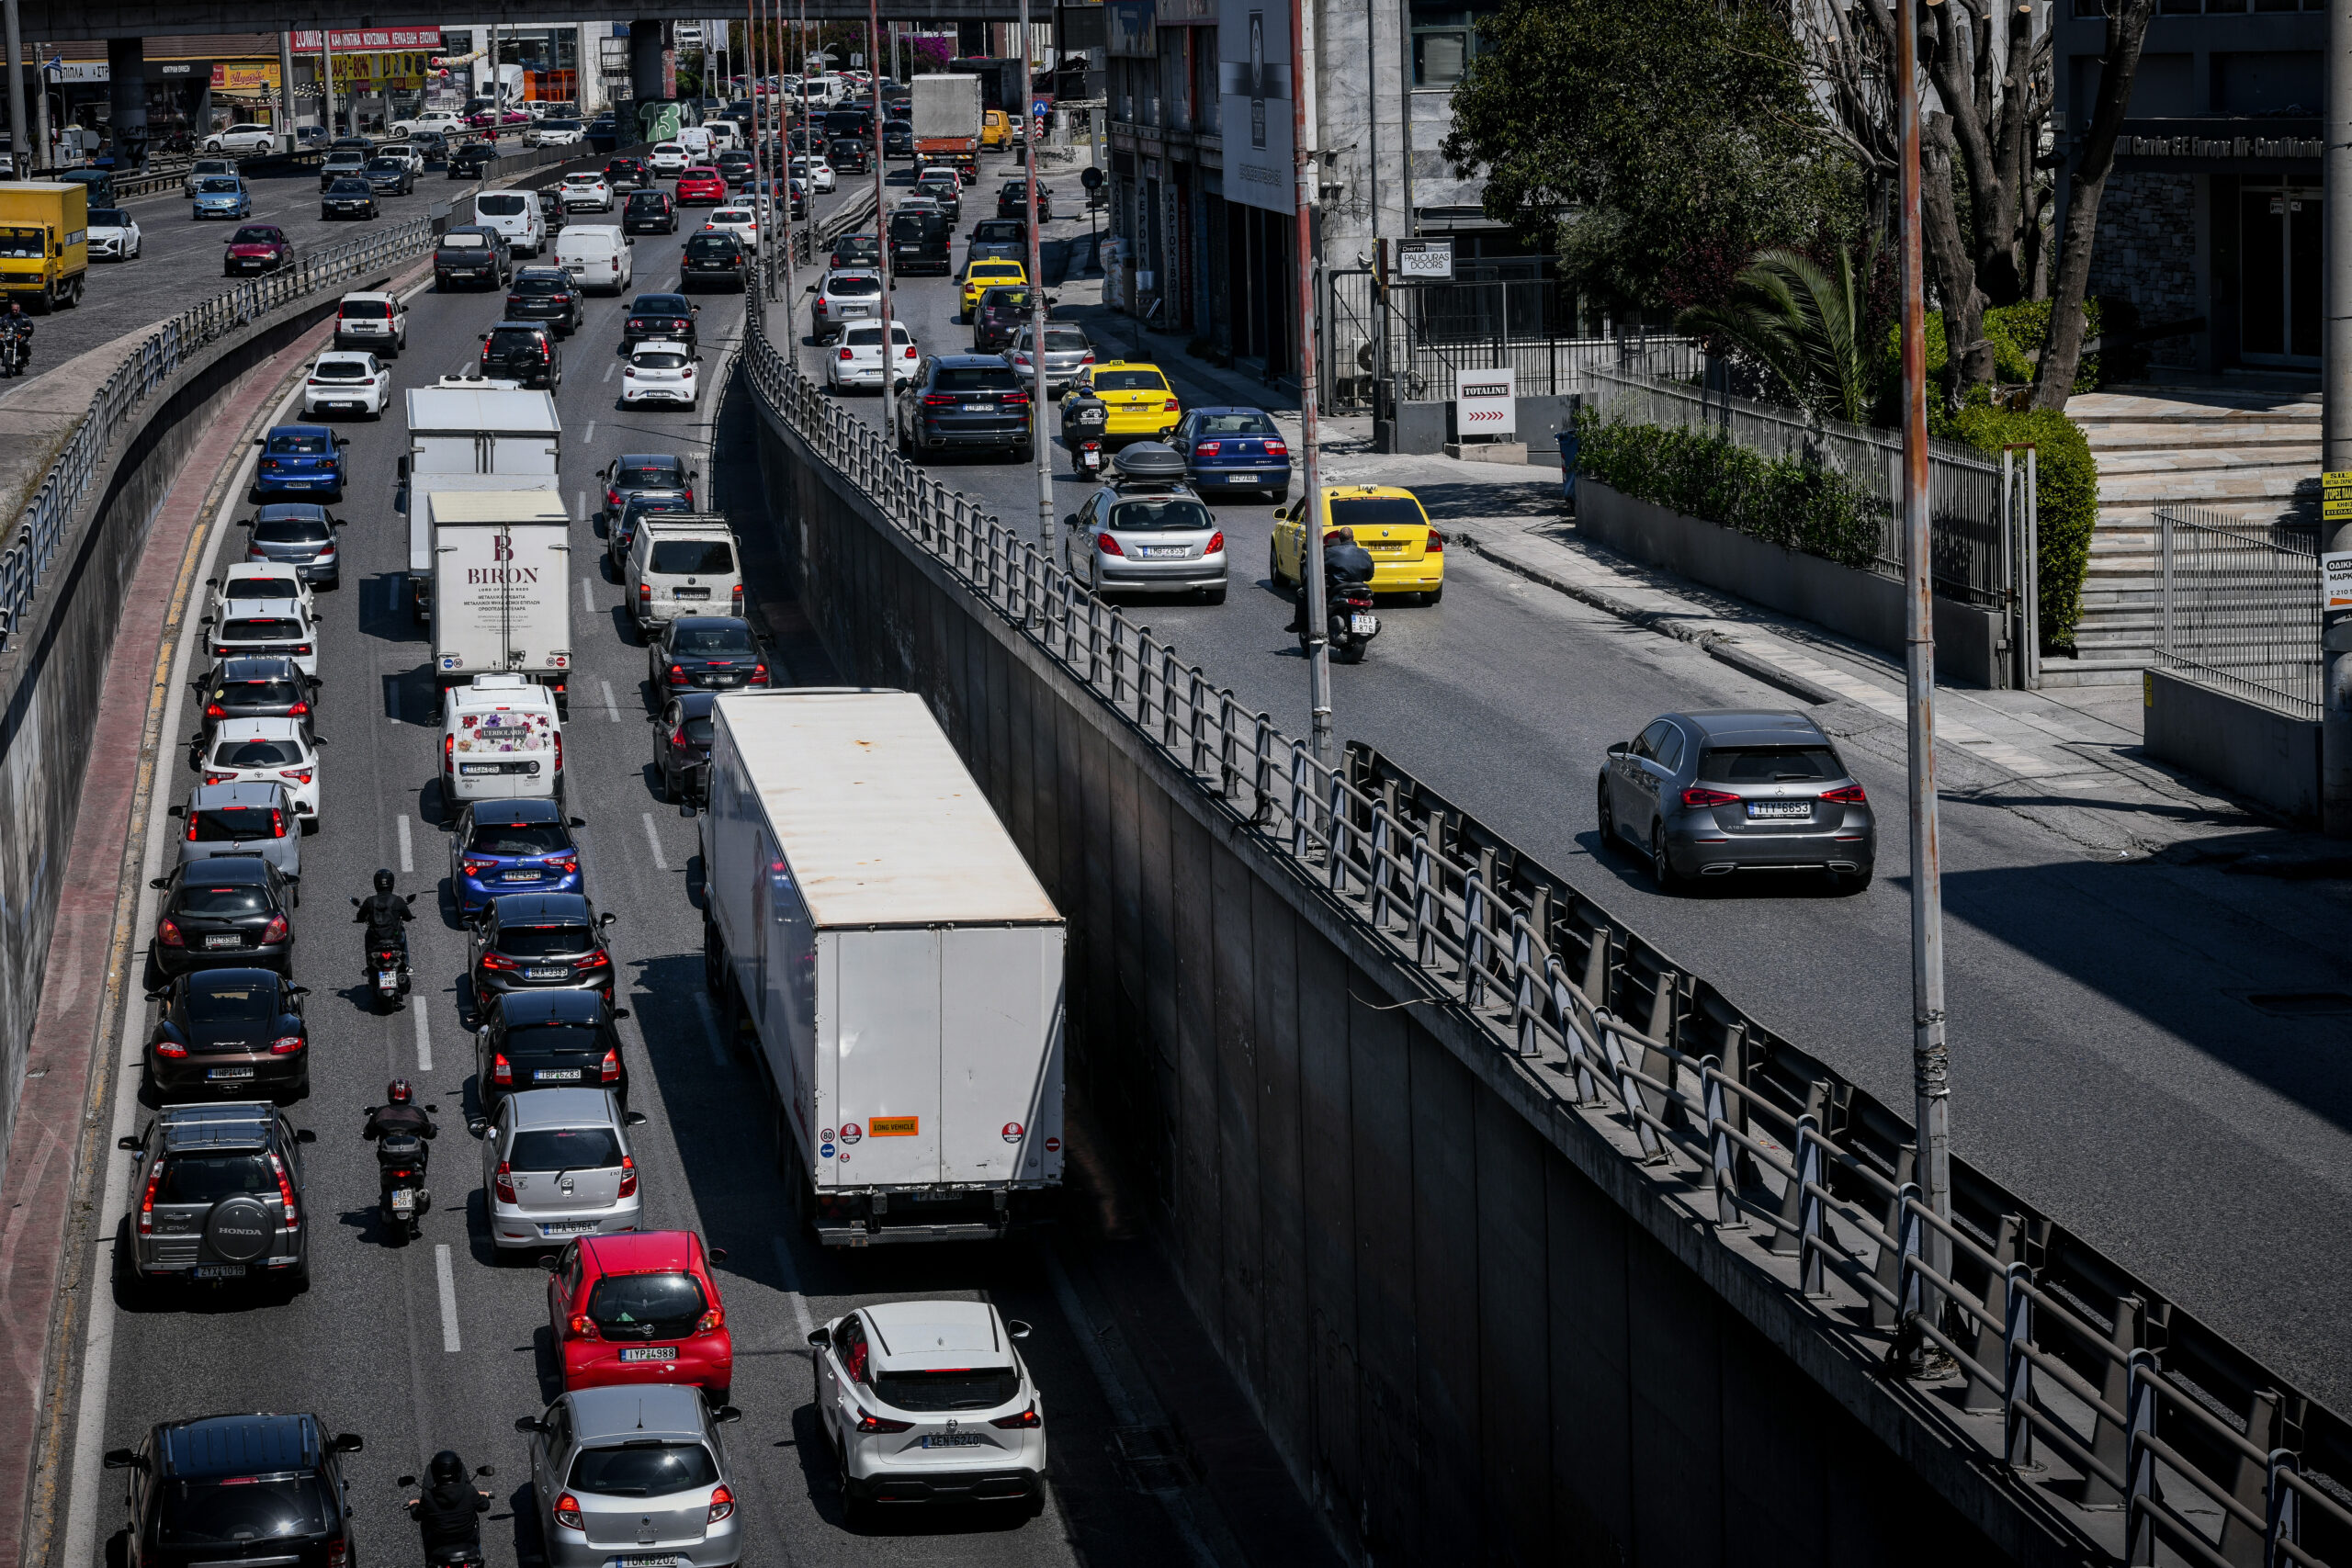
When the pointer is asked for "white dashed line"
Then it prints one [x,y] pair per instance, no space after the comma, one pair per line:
[589,434]
[587,597]
[583,506]
[449,1297]
[610,368]
[407,850]
[710,1029]
[611,703]
[423,1041]
[654,838]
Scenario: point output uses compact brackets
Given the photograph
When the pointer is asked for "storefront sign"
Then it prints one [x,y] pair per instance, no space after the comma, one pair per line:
[2336,498]
[372,38]
[2334,582]
[1253,80]
[377,72]
[179,70]
[1486,402]
[1423,261]
[2217,146]
[80,71]
[244,76]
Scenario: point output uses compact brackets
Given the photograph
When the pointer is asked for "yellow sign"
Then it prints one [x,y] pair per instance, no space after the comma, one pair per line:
[892,1126]
[2336,498]
[374,73]
[239,76]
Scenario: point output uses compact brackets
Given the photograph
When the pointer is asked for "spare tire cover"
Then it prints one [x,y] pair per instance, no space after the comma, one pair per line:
[240,1229]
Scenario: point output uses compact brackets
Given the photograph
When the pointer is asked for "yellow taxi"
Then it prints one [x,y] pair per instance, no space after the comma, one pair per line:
[992,273]
[1136,399]
[1408,554]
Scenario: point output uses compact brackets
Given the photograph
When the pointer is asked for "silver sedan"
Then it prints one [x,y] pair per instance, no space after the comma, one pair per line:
[1709,793]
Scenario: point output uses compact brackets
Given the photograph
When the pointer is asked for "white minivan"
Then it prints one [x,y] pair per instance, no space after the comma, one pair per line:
[515,214]
[598,256]
[682,563]
[501,739]
[695,140]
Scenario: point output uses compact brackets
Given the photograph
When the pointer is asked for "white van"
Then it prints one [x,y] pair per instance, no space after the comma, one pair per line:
[501,739]
[695,140]
[682,563]
[515,214]
[724,134]
[598,256]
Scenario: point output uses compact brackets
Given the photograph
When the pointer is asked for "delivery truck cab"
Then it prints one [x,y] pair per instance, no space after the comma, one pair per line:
[44,242]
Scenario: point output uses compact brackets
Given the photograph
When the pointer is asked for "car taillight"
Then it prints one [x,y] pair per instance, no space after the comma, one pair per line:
[846,354]
[297,775]
[677,672]
[629,1177]
[1436,545]
[760,673]
[276,823]
[1697,796]
[147,1200]
[501,1069]
[314,381]
[869,1422]
[170,1048]
[611,1068]
[338,1554]
[275,931]
[448,752]
[596,960]
[286,1045]
[1107,545]
[297,711]
[494,960]
[644,592]
[1025,1420]
[214,710]
[293,1220]
[1172,406]
[476,867]
[567,864]
[938,401]
[713,1319]
[1851,794]
[302,649]
[735,598]
[1216,545]
[1277,449]
[559,752]
[612,498]
[583,1327]
[503,1183]
[722,1503]
[1016,399]
[213,778]
[168,933]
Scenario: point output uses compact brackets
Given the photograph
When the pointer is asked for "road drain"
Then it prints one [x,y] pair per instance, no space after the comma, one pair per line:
[2298,1004]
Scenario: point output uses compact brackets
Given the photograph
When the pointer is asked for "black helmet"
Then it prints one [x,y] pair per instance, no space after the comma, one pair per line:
[398,1091]
[383,882]
[447,1466]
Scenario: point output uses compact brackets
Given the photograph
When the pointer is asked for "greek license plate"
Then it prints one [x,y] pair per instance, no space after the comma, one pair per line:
[219,1270]
[952,1440]
[567,1228]
[228,939]
[1242,478]
[1363,625]
[344,406]
[555,1075]
[979,408]
[651,1353]
[545,974]
[1762,810]
[388,976]
[1165,552]
[403,1201]
[690,593]
[520,877]
[670,1562]
[227,1075]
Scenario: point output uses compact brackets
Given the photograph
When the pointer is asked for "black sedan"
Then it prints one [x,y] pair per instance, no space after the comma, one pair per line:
[850,155]
[898,139]
[348,198]
[236,1032]
[545,294]
[1013,201]
[529,941]
[660,316]
[711,653]
[649,212]
[231,912]
[714,257]
[682,746]
[391,176]
[468,161]
[267,687]
[858,250]
[548,1040]
[634,472]
[620,532]
[739,165]
[627,173]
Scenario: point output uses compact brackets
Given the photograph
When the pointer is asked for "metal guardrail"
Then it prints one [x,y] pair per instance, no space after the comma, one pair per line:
[2073,1366]
[43,525]
[2237,607]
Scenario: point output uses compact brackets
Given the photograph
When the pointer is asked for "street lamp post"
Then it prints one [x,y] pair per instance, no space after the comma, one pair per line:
[19,162]
[1315,613]
[1036,310]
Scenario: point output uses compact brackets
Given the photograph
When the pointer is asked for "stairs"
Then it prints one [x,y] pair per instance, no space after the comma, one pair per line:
[2234,448]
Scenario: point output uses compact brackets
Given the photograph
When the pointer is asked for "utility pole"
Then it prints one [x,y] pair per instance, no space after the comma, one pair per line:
[2335,415]
[1038,446]
[882,231]
[1930,1066]
[763,198]
[326,79]
[286,92]
[1316,614]
[19,159]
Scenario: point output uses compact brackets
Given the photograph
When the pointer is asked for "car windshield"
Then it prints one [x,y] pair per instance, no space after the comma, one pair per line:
[339,370]
[1769,764]
[223,187]
[1240,424]
[713,642]
[522,341]
[500,205]
[257,693]
[659,361]
[292,530]
[565,1148]
[109,218]
[643,1469]
[261,629]
[299,445]
[270,587]
[218,1002]
[464,242]
[366,310]
[519,839]
[1161,512]
[235,824]
[386,165]
[976,379]
[207,1178]
[256,237]
[1066,342]
[1129,381]
[1377,512]
[647,1306]
[541,287]
[246,900]
[712,245]
[962,1388]
[544,942]
[257,754]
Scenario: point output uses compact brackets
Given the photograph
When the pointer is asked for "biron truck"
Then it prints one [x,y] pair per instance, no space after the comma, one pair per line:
[466,434]
[946,114]
[867,917]
[44,242]
[501,580]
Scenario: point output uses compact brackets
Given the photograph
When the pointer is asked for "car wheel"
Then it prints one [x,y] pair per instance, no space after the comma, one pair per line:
[857,1513]
[1213,595]
[1662,869]
[1434,595]
[1605,815]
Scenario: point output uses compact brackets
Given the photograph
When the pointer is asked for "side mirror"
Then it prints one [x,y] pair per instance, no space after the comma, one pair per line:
[820,1336]
[718,1255]
[633,1119]
[159,883]
[122,1459]
[530,1424]
[176,811]
[483,336]
[342,440]
[349,1442]
[304,1135]
[1017,1328]
[1070,521]
[686,809]
[605,919]
[1619,749]
[298,990]
[485,1471]
[725,1414]
[129,1141]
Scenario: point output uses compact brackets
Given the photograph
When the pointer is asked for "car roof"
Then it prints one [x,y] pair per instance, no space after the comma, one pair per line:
[252,1444]
[565,1108]
[917,1334]
[261,730]
[246,570]
[523,1008]
[508,813]
[234,608]
[220,796]
[370,294]
[648,302]
[344,354]
[1752,727]
[541,908]
[258,667]
[1148,364]
[635,1410]
[639,1251]
[1226,408]
[1367,492]
[967,361]
[227,1125]
[652,461]
[299,430]
[523,272]
[233,869]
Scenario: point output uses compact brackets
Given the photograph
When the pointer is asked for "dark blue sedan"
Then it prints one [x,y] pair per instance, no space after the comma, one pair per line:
[511,846]
[299,459]
[1227,449]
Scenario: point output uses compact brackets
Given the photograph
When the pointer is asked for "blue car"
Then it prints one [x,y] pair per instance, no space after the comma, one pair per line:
[223,196]
[511,846]
[1228,449]
[299,459]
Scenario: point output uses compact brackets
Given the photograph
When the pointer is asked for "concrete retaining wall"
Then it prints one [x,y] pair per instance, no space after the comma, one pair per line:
[2246,747]
[1473,1330]
[1971,644]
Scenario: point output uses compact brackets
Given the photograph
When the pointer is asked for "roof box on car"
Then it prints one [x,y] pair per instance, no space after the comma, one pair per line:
[1153,462]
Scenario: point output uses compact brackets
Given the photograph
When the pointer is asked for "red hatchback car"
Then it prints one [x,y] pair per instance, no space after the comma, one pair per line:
[705,187]
[257,247]
[642,1308]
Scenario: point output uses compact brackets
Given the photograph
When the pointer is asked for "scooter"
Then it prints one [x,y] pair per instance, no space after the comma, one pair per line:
[467,1556]
[1084,419]
[403,1198]
[1348,621]
[15,352]
[387,971]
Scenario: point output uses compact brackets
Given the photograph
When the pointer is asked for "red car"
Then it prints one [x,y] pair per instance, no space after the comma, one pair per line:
[706,185]
[257,247]
[642,1308]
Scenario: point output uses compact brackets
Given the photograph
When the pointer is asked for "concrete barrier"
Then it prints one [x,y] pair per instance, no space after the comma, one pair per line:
[2243,746]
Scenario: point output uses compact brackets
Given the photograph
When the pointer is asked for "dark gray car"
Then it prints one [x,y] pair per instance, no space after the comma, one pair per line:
[1722,789]
[217,1195]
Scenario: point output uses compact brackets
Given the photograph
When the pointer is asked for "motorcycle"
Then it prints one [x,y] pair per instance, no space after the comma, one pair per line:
[1084,419]
[467,1556]
[16,352]
[401,1197]
[1348,621]
[386,970]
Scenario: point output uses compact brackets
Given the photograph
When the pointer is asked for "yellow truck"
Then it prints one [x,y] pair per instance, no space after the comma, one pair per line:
[44,242]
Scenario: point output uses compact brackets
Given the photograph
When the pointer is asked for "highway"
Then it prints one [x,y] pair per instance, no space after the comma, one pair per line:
[436,1344]
[2107,1063]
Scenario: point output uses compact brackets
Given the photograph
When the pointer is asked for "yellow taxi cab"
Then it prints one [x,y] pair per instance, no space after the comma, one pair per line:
[992,273]
[1136,399]
[1408,554]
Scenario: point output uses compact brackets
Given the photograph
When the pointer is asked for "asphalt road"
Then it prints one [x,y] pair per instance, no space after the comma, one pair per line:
[438,1345]
[2107,1063]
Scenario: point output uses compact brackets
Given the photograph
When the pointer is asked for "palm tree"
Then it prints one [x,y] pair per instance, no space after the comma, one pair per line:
[1802,326]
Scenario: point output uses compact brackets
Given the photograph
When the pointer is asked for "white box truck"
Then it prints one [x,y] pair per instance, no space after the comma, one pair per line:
[869,918]
[946,111]
[461,426]
[501,580]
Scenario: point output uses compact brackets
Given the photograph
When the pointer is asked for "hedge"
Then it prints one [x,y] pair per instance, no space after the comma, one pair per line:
[1783,501]
[2018,333]
[2067,478]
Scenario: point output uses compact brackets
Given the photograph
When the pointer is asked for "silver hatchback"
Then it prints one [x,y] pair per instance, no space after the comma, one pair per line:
[557,1165]
[1147,532]
[1710,793]
[243,819]
[635,1473]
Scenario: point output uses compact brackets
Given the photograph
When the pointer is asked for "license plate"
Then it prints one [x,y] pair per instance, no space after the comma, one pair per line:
[346,406]
[567,1228]
[520,877]
[1363,625]
[219,1270]
[979,408]
[555,1075]
[1779,809]
[227,940]
[387,977]
[1242,478]
[545,974]
[1164,552]
[403,1201]
[690,593]
[229,1075]
[671,1562]
[651,1353]
[953,1440]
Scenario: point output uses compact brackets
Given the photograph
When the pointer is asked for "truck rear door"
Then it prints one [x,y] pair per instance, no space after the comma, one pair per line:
[538,610]
[998,1067]
[885,1029]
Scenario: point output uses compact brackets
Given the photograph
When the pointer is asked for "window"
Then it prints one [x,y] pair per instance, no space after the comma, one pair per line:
[463,243]
[270,587]
[258,755]
[236,824]
[519,839]
[659,361]
[298,446]
[208,1179]
[271,530]
[564,1148]
[960,1388]
[700,558]
[542,287]
[258,693]
[1233,424]
[213,1512]
[223,901]
[340,370]
[1377,512]
[647,1306]
[1160,513]
[260,628]
[499,205]
[653,1470]
[1669,751]
[1439,57]
[976,379]
[544,942]
[1769,764]
[713,642]
[1653,738]
[245,1002]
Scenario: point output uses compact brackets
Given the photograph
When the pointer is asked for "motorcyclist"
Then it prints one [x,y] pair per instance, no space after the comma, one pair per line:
[400,1113]
[18,328]
[448,1507]
[1344,560]
[384,914]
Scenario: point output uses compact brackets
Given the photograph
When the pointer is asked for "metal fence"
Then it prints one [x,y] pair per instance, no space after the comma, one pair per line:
[2102,1390]
[1971,556]
[2237,607]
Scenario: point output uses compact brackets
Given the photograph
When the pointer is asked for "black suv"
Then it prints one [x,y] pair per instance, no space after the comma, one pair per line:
[222,910]
[668,318]
[627,173]
[739,165]
[920,242]
[473,254]
[682,746]
[539,942]
[1013,201]
[267,687]
[217,1194]
[525,352]
[850,155]
[714,257]
[649,212]
[545,294]
[347,198]
[266,1486]
[962,400]
[1000,314]
[548,1040]
[858,250]
[898,139]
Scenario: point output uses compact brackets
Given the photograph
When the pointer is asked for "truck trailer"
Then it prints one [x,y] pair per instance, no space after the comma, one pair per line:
[502,599]
[867,917]
[466,434]
[947,118]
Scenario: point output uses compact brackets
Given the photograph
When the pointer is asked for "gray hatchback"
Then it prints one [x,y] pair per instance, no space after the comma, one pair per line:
[1722,789]
[217,1195]
[242,819]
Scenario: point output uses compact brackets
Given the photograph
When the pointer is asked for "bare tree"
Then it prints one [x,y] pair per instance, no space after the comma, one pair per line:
[2127,30]
[1996,92]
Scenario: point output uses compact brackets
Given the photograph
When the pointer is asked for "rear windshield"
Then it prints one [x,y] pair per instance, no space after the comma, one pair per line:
[231,1512]
[977,378]
[261,629]
[697,731]
[299,445]
[696,557]
[565,1148]
[540,287]
[847,286]
[1161,512]
[544,942]
[644,1469]
[1378,511]
[1129,381]
[660,305]
[712,245]
[913,225]
[270,587]
[1769,764]
[247,899]
[1066,342]
[339,370]
[652,200]
[647,1306]
[507,341]
[499,205]
[257,754]
[871,338]
[970,1388]
[464,242]
[649,475]
[546,1037]
[207,1178]
[519,839]
[255,1002]
[234,824]
[1246,425]
[292,530]
[660,361]
[386,165]
[366,311]
[998,227]
[258,693]
[712,642]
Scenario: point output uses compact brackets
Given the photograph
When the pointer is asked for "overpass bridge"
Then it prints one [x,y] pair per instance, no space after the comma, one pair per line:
[57,20]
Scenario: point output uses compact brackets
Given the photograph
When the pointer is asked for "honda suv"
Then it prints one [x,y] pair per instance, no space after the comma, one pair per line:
[525,352]
[220,1196]
[268,1488]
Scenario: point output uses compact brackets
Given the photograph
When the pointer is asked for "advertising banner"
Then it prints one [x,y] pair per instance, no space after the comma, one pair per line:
[244,76]
[1253,82]
[372,38]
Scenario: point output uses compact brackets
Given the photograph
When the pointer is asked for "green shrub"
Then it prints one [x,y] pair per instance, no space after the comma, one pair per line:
[2018,333]
[1782,501]
[2067,477]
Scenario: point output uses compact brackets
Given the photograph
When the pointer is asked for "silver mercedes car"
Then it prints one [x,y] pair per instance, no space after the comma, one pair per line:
[1723,790]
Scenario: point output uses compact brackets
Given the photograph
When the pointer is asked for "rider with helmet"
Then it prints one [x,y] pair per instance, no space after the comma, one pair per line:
[384,914]
[448,1508]
[400,1114]
[16,327]
[402,1132]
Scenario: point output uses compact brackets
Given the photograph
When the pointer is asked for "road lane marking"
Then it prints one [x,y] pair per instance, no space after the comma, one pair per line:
[792,1289]
[589,434]
[423,1041]
[448,1284]
[408,851]
[610,368]
[583,506]
[587,597]
[611,703]
[654,838]
[710,1029]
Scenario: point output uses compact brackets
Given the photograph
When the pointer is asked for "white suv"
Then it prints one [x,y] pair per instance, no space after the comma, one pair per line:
[927,1402]
[514,214]
[240,139]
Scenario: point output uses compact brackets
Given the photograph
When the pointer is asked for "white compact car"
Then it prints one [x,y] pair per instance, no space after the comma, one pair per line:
[502,739]
[347,382]
[668,160]
[817,173]
[254,579]
[269,750]
[240,139]
[740,221]
[930,1402]
[660,371]
[856,359]
[375,321]
[114,234]
[262,627]
[586,191]
[556,1164]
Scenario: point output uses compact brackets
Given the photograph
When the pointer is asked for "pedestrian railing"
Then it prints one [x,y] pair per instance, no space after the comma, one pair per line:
[2063,1360]
[2237,607]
